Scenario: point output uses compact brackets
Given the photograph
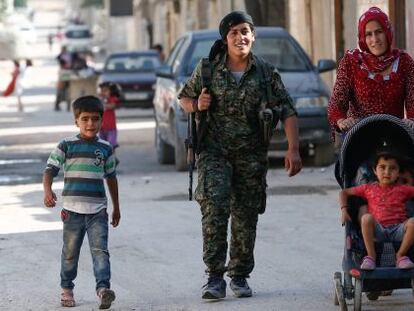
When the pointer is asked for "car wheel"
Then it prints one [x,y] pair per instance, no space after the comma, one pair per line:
[324,155]
[180,154]
[165,152]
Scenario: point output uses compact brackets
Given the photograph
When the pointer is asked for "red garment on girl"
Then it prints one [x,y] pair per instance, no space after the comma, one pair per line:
[109,119]
[12,84]
[386,204]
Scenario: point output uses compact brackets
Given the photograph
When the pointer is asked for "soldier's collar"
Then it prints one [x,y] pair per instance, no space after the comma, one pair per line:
[221,65]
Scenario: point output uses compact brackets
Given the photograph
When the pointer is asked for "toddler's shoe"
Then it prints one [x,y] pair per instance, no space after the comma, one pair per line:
[404,263]
[368,263]
[66,298]
[106,297]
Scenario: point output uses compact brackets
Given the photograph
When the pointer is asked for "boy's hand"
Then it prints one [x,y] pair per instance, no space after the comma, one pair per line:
[345,216]
[50,199]
[116,216]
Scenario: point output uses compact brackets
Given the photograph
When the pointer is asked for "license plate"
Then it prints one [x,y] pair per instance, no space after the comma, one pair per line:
[136,96]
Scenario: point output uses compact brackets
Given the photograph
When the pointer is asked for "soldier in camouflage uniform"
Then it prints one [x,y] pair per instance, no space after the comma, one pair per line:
[232,163]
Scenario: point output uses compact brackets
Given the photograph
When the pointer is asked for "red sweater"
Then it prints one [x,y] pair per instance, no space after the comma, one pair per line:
[386,204]
[358,93]
[109,119]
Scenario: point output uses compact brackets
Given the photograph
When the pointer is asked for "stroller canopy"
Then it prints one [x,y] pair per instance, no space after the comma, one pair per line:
[363,139]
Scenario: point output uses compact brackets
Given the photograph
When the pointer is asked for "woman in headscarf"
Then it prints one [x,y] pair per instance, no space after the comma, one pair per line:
[374,78]
[232,159]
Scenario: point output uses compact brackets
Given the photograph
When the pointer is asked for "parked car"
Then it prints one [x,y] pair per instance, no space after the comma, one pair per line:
[299,75]
[135,72]
[77,38]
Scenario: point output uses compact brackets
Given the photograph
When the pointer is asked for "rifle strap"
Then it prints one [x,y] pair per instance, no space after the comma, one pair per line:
[206,72]
[265,79]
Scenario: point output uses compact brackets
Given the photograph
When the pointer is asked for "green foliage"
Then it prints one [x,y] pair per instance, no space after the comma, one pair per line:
[20,3]
[3,7]
[93,3]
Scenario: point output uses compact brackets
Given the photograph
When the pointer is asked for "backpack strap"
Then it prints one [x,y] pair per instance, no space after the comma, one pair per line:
[201,117]
[265,75]
[269,115]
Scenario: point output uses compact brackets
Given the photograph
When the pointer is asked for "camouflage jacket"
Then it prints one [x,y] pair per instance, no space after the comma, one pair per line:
[233,122]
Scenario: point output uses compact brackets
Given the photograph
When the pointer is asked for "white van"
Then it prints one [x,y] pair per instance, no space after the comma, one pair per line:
[77,38]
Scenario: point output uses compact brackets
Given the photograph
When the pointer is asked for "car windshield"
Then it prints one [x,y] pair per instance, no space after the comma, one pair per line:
[132,63]
[280,52]
[78,34]
[201,49]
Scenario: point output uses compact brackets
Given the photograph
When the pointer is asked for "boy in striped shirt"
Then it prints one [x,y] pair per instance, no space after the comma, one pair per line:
[86,161]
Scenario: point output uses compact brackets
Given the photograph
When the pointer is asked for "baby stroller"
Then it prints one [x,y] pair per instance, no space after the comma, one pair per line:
[359,145]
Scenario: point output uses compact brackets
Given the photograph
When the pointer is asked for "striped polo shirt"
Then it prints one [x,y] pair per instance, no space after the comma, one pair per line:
[85,165]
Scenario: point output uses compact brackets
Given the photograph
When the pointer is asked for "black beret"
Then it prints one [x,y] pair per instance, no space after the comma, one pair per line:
[232,19]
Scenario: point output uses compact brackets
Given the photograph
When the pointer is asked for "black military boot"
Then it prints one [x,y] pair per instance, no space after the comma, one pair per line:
[215,287]
[240,288]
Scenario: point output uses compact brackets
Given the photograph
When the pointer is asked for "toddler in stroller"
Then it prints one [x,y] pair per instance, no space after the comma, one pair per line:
[369,242]
[386,219]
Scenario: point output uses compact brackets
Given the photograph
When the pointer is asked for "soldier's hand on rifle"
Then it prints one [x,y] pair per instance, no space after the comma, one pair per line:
[204,100]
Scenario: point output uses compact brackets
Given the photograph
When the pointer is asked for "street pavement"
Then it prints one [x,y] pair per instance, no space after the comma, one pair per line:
[156,252]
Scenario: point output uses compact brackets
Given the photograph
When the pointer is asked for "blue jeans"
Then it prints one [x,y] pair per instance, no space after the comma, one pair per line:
[74,228]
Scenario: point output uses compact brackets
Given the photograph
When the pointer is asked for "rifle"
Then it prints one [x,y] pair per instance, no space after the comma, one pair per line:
[268,117]
[196,127]
[191,143]
[266,123]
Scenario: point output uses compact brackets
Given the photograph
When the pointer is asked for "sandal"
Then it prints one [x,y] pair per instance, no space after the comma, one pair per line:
[368,263]
[404,263]
[66,299]
[106,297]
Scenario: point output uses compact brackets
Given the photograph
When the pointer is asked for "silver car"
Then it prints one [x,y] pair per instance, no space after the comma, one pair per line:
[277,46]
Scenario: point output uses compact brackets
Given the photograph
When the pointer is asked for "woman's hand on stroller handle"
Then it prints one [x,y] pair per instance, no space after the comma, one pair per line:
[345,216]
[409,123]
[345,124]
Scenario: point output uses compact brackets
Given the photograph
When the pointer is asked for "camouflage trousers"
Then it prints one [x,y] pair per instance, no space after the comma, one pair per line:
[230,188]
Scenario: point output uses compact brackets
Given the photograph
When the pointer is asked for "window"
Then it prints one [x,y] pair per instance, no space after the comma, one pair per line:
[200,49]
[78,34]
[281,53]
[132,63]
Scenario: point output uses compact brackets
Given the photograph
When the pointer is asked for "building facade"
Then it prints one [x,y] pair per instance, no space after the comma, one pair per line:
[324,28]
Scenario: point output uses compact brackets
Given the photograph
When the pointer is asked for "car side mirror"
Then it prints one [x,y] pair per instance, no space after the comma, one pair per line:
[164,71]
[326,65]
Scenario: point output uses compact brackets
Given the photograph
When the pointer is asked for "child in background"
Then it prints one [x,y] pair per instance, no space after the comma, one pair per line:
[86,161]
[110,95]
[386,219]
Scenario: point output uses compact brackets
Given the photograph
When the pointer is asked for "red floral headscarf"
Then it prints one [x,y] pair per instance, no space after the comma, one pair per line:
[377,14]
[369,61]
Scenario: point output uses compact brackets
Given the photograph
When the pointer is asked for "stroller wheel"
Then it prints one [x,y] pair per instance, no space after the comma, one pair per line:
[373,295]
[412,285]
[338,293]
[357,295]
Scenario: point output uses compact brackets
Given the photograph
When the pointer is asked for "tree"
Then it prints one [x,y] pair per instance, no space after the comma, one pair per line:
[20,3]
[3,8]
[92,3]
[267,12]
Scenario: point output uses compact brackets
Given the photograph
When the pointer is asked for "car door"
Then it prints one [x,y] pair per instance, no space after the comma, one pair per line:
[165,91]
